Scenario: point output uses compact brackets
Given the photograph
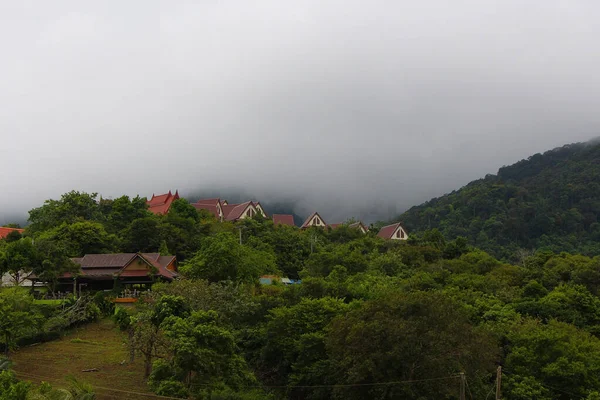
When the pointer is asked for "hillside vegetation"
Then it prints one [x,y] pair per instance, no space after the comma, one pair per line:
[548,201]
[371,318]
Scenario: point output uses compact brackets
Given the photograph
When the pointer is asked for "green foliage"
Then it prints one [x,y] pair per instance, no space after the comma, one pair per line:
[407,337]
[202,353]
[554,360]
[76,390]
[222,257]
[548,201]
[18,318]
[11,388]
[72,207]
[122,318]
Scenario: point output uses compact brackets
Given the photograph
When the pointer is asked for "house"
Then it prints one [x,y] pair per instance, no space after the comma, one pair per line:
[394,232]
[355,225]
[235,212]
[283,219]
[107,271]
[313,220]
[4,231]
[160,204]
[224,211]
[214,206]
[259,208]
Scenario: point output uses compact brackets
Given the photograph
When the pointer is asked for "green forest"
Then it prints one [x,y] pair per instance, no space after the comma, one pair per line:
[503,272]
[549,201]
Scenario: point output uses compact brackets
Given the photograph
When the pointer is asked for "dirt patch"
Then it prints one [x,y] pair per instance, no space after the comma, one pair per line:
[98,346]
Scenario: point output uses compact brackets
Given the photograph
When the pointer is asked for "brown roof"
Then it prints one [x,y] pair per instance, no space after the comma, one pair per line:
[283,219]
[96,265]
[387,231]
[233,212]
[105,260]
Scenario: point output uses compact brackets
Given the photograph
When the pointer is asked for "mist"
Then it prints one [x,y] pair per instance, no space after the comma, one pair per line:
[350,108]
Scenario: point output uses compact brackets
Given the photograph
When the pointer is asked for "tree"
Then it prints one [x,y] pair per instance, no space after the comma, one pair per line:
[293,347]
[19,259]
[81,238]
[147,337]
[556,360]
[17,317]
[122,211]
[203,354]
[223,258]
[406,337]
[72,207]
[142,235]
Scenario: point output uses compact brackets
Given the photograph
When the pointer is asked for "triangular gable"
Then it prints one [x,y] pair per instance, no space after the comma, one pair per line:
[399,233]
[260,209]
[314,220]
[138,263]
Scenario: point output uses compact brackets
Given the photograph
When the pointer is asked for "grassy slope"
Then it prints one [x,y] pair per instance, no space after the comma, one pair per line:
[98,345]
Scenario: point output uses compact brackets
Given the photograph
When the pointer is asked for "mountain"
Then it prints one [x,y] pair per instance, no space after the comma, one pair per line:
[548,201]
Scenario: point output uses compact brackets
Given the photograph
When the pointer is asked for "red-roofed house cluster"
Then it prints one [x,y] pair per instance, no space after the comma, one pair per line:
[220,208]
[223,211]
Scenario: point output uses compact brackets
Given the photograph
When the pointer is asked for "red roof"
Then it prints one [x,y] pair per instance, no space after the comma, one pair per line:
[310,217]
[160,204]
[388,231]
[212,208]
[209,201]
[333,226]
[4,231]
[283,219]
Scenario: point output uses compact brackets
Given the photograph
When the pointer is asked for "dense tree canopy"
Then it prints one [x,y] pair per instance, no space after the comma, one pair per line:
[371,318]
[549,201]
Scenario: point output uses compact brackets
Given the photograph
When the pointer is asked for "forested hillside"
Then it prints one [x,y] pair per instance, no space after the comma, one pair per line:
[371,318]
[549,201]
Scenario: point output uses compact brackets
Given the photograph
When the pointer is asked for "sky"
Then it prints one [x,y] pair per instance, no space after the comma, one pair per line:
[350,108]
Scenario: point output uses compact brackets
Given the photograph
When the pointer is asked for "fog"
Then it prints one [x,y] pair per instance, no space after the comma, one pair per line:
[349,108]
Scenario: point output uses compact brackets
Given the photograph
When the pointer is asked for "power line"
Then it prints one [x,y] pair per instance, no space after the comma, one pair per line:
[341,385]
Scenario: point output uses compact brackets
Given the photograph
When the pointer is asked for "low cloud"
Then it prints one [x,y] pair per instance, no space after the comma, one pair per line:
[350,108]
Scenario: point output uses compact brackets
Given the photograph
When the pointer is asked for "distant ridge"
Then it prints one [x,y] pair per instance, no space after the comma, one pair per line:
[548,201]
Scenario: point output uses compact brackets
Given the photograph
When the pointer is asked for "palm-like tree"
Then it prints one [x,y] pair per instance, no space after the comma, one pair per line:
[77,390]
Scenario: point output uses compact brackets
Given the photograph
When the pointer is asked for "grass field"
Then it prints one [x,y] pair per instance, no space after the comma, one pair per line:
[99,345]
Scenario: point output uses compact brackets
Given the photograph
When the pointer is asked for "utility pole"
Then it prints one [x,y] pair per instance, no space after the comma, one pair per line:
[240,228]
[462,385]
[498,382]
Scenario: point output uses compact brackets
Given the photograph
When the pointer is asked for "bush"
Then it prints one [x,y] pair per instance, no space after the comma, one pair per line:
[172,388]
[122,318]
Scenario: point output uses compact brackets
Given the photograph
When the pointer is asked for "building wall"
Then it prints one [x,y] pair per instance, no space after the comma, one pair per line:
[316,221]
[400,234]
